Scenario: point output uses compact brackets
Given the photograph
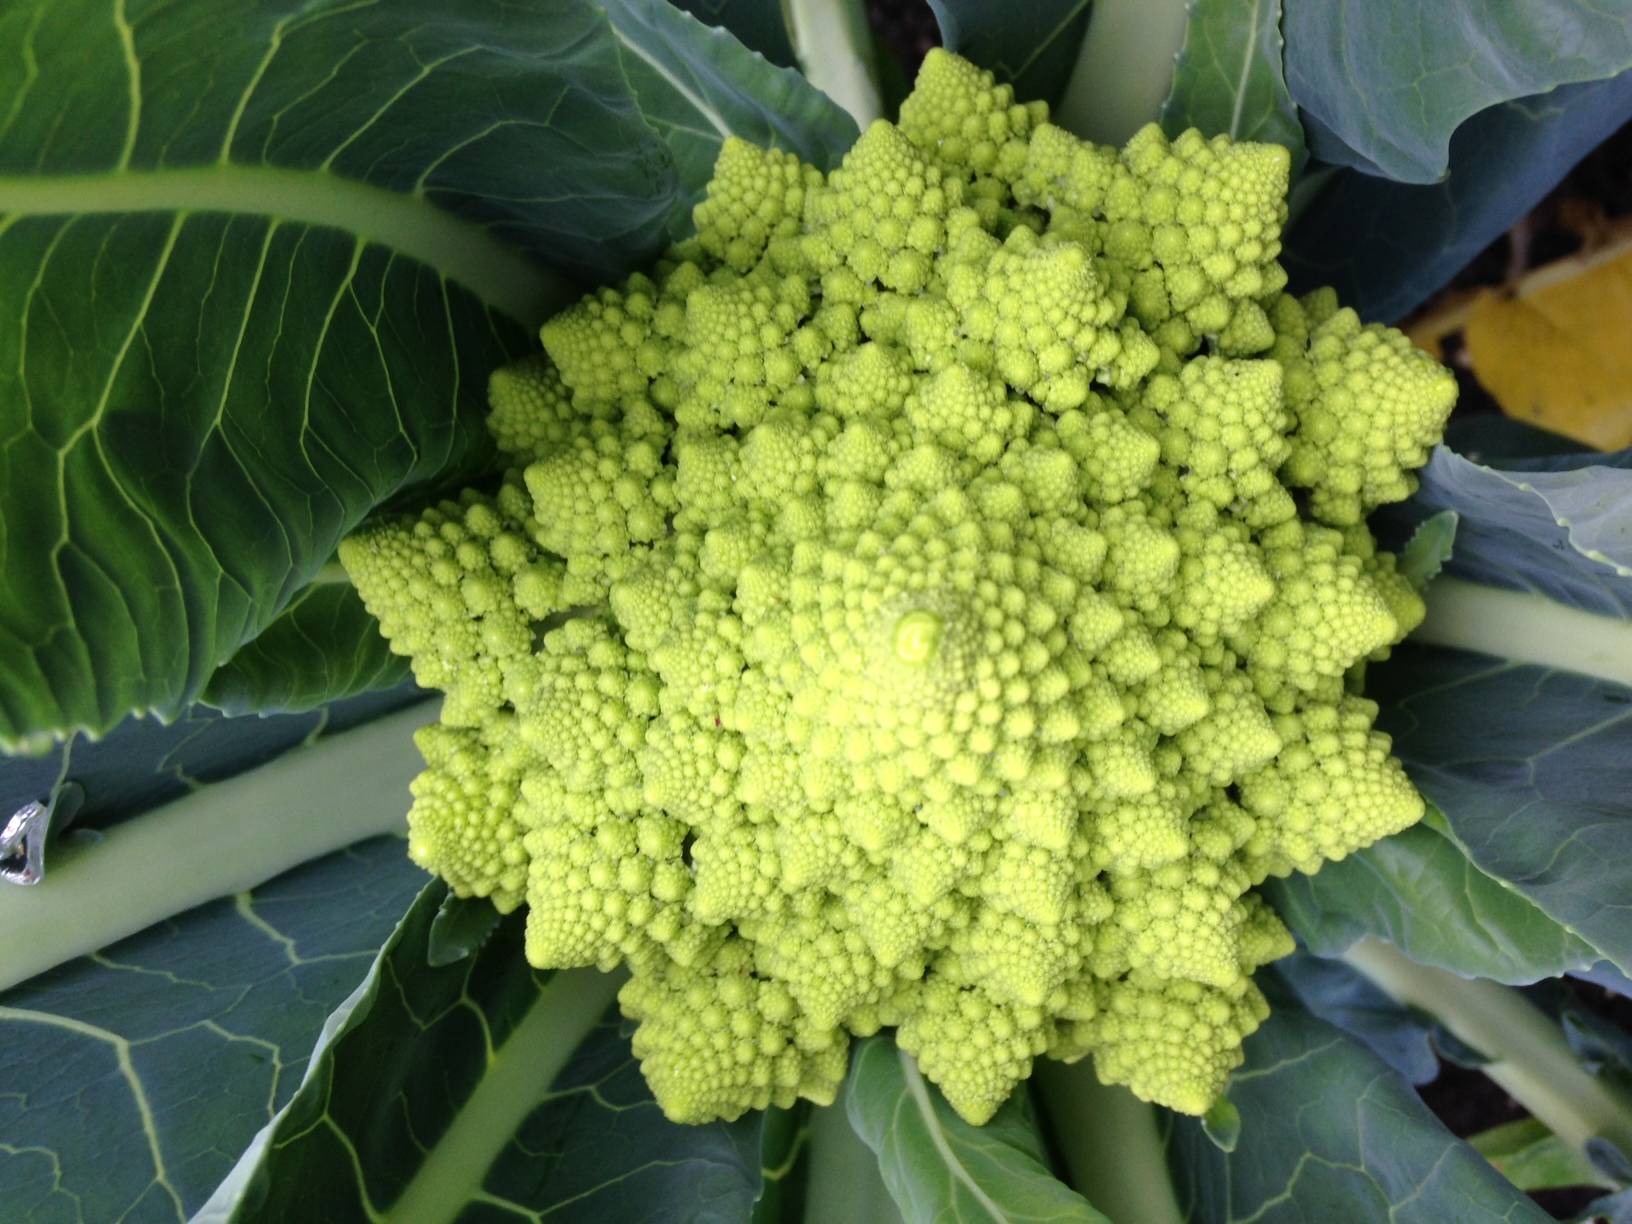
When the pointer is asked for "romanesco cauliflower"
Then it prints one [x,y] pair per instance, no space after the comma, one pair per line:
[931,597]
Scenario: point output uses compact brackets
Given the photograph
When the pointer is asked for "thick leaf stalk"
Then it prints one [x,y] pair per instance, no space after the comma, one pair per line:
[223,839]
[1109,1141]
[1527,628]
[1529,1054]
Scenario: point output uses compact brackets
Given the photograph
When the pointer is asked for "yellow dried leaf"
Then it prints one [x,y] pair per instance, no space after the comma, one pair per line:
[1558,351]
[1444,317]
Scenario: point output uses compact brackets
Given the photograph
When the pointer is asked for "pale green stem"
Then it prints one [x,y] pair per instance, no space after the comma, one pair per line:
[835,52]
[1108,1137]
[222,839]
[407,222]
[843,1184]
[1526,628]
[1530,1057]
[517,1080]
[332,574]
[1124,69]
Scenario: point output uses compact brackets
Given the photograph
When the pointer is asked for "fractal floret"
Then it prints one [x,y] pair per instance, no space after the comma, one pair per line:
[931,597]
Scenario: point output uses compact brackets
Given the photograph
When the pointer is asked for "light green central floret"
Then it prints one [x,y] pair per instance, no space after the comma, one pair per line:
[918,636]
[932,597]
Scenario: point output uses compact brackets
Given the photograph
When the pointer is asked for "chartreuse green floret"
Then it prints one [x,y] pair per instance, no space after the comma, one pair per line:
[1368,407]
[931,598]
[463,824]
[457,591]
[882,214]
[757,196]
[966,121]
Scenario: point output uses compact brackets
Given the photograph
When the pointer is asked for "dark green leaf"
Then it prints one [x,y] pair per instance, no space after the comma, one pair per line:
[1334,992]
[940,1168]
[1429,547]
[103,886]
[1615,1208]
[1610,1159]
[164,569]
[1386,246]
[134,1077]
[1599,1044]
[1222,1125]
[697,85]
[1329,1132]
[784,1161]
[421,1079]
[1391,79]
[224,392]
[1560,526]
[509,1095]
[1528,765]
[1523,746]
[461,925]
[598,1149]
[1034,45]
[1533,1158]
[1458,1053]
[322,647]
[759,25]
[249,310]
[1419,891]
[1229,77]
[1602,1046]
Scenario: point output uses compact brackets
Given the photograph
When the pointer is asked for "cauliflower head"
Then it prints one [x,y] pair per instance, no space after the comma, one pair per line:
[930,597]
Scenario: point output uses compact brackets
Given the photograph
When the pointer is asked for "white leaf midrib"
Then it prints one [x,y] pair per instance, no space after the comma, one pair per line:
[517,1079]
[937,1135]
[410,224]
[692,97]
[1252,32]
[96,895]
[1526,627]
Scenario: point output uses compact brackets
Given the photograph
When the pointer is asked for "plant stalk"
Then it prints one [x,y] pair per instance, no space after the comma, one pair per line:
[223,839]
[835,52]
[1526,628]
[331,574]
[1108,1137]
[1530,1057]
[843,1185]
[459,249]
[1124,69]
[518,1079]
